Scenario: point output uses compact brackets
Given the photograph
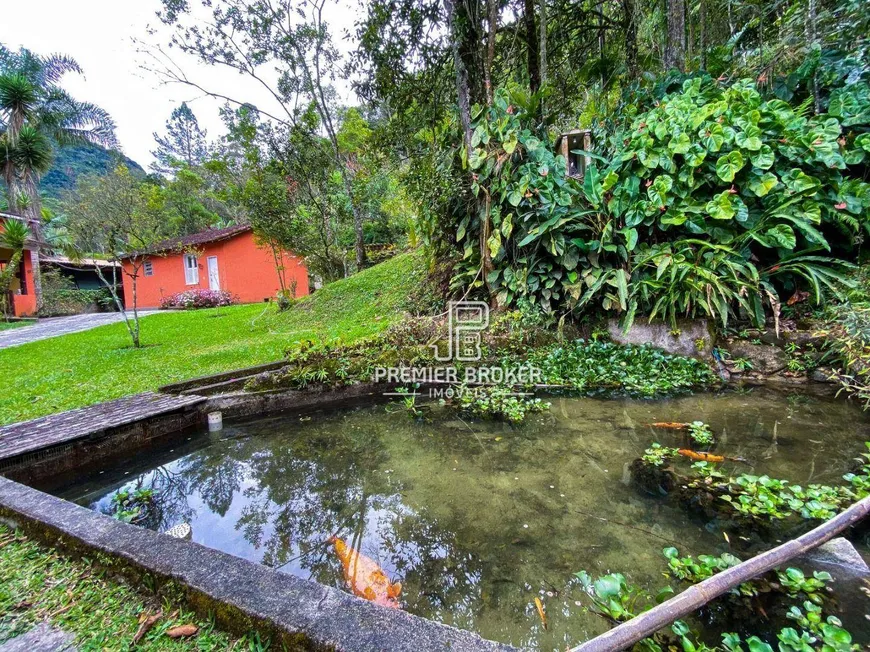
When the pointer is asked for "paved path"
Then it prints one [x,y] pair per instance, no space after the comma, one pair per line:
[64,427]
[54,326]
[42,638]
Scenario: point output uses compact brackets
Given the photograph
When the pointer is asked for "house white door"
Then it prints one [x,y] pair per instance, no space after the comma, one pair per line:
[214,280]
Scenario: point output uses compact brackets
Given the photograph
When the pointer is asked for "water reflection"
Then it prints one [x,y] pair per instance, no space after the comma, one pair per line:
[475,519]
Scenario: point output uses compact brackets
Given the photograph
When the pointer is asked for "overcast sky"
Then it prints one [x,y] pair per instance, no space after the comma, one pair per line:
[100,35]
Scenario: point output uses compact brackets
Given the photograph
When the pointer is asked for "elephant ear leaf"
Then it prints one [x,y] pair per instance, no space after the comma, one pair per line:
[729,165]
[763,184]
[721,207]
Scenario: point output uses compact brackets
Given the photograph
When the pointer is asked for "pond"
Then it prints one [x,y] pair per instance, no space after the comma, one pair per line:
[474,518]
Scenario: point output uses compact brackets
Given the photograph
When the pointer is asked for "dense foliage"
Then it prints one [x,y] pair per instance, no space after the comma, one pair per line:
[715,201]
[74,161]
[60,296]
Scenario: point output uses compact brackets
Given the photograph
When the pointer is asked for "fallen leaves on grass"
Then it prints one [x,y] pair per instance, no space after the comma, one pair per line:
[146,622]
[182,631]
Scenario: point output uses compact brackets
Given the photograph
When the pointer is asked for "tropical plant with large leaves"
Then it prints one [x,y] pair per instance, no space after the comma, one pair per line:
[525,237]
[714,202]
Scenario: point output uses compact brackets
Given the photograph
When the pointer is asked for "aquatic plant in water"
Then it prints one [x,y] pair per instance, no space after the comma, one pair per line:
[613,598]
[408,402]
[762,498]
[700,433]
[132,506]
[497,401]
[658,455]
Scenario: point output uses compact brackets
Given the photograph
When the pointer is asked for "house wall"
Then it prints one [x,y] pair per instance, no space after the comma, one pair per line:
[25,304]
[245,269]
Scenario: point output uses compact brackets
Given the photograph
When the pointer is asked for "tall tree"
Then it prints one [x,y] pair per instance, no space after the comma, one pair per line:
[111,214]
[675,42]
[292,39]
[184,142]
[533,52]
[630,18]
[35,115]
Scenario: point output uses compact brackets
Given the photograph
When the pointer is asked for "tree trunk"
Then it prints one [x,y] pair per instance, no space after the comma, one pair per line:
[492,20]
[534,63]
[602,79]
[33,213]
[811,41]
[543,41]
[675,45]
[702,28]
[37,278]
[624,636]
[463,90]
[134,331]
[113,290]
[629,9]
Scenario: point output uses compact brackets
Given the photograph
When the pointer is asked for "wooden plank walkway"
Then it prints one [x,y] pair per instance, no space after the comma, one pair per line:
[65,427]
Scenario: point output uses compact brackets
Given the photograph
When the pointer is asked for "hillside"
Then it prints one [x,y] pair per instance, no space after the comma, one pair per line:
[72,162]
[100,364]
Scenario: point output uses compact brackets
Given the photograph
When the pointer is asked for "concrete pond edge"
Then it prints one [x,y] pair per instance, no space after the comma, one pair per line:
[241,595]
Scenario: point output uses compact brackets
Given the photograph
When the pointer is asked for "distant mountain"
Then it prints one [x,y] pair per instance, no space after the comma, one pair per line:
[72,162]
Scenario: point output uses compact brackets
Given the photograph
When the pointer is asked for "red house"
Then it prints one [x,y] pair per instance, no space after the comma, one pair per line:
[218,259]
[21,297]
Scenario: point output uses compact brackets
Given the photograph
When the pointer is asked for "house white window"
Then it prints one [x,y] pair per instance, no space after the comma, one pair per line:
[191,270]
[148,268]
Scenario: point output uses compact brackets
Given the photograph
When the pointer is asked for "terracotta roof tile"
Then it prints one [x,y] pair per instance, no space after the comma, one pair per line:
[203,237]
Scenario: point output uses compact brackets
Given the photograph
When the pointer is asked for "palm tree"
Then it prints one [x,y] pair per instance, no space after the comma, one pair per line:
[35,115]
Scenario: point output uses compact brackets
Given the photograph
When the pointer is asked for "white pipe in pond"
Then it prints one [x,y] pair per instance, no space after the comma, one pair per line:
[215,421]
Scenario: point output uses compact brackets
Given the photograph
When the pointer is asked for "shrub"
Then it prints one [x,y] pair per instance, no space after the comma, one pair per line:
[714,202]
[194,299]
[61,297]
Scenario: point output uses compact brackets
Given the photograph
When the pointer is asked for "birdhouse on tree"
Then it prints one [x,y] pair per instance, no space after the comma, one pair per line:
[567,145]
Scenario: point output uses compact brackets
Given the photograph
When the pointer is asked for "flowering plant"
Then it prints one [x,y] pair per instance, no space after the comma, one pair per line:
[193,299]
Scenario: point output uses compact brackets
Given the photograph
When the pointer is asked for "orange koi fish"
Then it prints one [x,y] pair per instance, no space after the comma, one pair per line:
[670,425]
[699,456]
[364,577]
[541,614]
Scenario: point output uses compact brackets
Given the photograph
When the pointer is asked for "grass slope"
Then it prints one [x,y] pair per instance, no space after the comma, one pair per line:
[38,585]
[97,365]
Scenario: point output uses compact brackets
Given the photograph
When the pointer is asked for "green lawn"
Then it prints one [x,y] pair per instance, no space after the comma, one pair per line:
[39,584]
[97,365]
[7,325]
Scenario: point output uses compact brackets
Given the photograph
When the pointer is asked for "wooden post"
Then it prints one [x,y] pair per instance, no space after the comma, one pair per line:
[628,633]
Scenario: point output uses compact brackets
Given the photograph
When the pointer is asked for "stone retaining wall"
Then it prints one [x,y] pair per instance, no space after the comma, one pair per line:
[240,594]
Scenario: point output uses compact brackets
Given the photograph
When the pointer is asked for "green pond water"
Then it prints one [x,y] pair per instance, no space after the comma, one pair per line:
[475,519]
